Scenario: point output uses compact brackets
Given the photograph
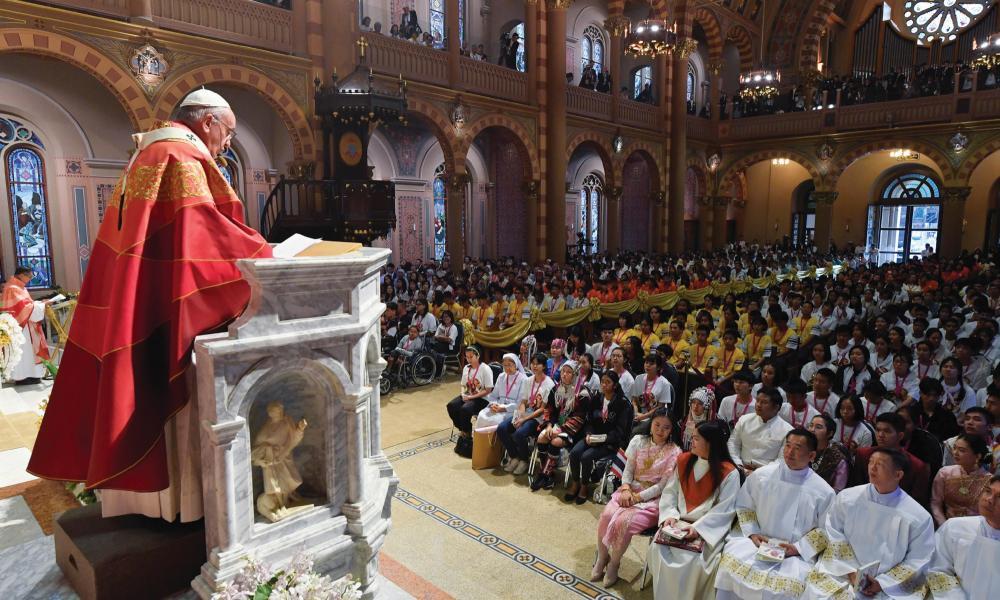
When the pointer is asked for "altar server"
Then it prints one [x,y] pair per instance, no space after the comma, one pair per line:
[967,552]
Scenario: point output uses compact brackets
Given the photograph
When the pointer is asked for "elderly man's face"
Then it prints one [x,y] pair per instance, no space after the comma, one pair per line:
[217,130]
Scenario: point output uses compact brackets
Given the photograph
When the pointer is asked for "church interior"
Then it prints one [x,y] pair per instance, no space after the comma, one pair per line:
[524,133]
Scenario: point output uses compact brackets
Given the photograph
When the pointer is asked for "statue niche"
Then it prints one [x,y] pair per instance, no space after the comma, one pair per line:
[287,448]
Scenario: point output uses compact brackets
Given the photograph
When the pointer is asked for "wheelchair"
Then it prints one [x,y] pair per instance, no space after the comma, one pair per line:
[419,369]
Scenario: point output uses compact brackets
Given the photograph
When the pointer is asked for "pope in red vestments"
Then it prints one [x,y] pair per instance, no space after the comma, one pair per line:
[163,271]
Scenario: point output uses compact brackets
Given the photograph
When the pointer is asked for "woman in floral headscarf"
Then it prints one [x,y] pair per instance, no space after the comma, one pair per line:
[529,346]
[701,405]
[557,351]
[563,418]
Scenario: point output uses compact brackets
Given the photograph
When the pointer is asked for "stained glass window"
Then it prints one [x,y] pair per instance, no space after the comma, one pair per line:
[592,49]
[522,66]
[230,167]
[29,213]
[690,84]
[588,222]
[906,222]
[640,78]
[461,23]
[931,20]
[440,197]
[437,28]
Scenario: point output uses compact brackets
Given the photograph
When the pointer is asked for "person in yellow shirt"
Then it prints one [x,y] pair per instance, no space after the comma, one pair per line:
[782,336]
[518,309]
[462,309]
[704,318]
[624,330]
[647,337]
[438,305]
[483,317]
[805,324]
[660,327]
[677,343]
[757,345]
[730,359]
[752,308]
[729,320]
[499,306]
[712,309]
[703,355]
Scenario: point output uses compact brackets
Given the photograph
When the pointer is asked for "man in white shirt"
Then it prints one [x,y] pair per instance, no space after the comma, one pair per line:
[782,505]
[741,403]
[967,552]
[797,412]
[601,351]
[859,526]
[757,438]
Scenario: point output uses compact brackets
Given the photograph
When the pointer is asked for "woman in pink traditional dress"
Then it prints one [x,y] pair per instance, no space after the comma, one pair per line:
[634,507]
[956,488]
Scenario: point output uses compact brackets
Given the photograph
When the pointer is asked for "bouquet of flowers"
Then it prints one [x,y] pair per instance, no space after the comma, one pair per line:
[11,340]
[297,581]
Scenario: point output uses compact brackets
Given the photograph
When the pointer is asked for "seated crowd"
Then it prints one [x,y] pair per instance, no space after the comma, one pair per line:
[819,438]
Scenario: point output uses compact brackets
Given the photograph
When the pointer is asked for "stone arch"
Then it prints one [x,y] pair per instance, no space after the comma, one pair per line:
[649,153]
[600,143]
[744,44]
[713,32]
[440,127]
[119,82]
[931,151]
[504,122]
[808,42]
[974,158]
[292,115]
[696,163]
[731,172]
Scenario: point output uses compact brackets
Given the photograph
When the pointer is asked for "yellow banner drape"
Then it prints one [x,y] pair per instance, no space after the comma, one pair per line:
[595,310]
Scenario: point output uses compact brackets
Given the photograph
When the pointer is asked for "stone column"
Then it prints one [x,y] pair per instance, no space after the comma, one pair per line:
[140,12]
[678,143]
[705,219]
[531,199]
[613,228]
[530,42]
[720,208]
[555,156]
[715,91]
[458,184]
[952,214]
[824,219]
[452,41]
[617,27]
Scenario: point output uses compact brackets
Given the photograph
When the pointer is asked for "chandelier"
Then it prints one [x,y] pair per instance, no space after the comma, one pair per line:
[651,38]
[987,53]
[902,154]
[760,83]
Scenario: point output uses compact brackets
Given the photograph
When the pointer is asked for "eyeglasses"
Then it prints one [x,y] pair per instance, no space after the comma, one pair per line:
[229,131]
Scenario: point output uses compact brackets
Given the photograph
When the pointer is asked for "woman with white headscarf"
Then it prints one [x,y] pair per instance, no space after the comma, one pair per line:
[506,393]
[700,407]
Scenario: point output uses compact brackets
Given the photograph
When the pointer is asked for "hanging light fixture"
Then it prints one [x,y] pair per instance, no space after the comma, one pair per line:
[986,53]
[761,82]
[651,38]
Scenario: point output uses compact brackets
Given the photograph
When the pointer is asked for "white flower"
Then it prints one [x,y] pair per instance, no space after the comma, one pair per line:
[10,354]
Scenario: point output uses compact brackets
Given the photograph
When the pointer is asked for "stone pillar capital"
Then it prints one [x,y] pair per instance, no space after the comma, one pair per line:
[825,198]
[558,4]
[617,25]
[458,181]
[720,201]
[613,194]
[714,67]
[958,194]
[685,47]
[705,201]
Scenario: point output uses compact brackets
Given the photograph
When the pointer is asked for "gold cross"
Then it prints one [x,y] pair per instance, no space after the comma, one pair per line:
[362,44]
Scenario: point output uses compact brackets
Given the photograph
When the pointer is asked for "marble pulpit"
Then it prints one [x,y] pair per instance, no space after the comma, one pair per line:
[309,341]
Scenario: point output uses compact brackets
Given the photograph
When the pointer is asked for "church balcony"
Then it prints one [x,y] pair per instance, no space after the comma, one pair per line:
[588,103]
[247,22]
[639,114]
[414,62]
[493,80]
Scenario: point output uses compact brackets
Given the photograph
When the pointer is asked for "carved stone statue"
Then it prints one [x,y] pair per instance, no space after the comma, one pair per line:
[272,451]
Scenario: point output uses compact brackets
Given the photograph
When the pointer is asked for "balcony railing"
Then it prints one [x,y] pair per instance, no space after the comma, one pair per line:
[246,22]
[588,103]
[493,80]
[414,62]
[639,114]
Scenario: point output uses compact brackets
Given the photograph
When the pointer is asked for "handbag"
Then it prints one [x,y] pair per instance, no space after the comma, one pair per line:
[486,449]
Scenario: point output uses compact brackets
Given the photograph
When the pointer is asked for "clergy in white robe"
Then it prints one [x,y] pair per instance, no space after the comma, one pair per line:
[783,503]
[758,437]
[967,553]
[693,500]
[878,528]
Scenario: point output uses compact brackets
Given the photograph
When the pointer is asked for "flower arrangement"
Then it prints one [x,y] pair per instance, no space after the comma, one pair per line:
[297,581]
[11,340]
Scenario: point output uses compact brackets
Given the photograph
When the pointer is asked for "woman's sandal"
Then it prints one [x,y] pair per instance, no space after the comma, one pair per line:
[581,496]
[574,487]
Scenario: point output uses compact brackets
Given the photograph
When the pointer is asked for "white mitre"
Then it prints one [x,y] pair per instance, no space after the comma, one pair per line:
[204,98]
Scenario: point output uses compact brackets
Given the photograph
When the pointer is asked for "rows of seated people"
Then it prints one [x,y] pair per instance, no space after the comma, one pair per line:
[840,439]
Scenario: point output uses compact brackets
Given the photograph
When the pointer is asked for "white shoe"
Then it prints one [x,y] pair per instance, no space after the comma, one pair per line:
[512,464]
[522,467]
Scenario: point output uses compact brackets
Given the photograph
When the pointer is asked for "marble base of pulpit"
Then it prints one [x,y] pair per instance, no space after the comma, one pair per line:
[310,340]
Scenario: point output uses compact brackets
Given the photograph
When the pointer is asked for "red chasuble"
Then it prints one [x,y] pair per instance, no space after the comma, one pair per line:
[163,271]
[17,301]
